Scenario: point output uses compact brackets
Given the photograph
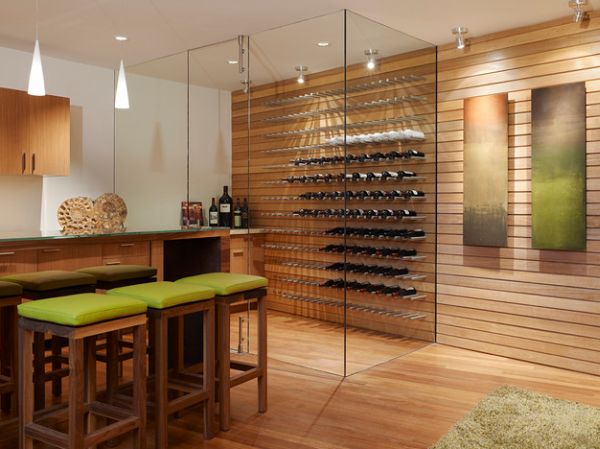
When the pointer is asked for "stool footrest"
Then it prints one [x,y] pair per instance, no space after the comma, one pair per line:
[46,434]
[245,376]
[186,401]
[111,431]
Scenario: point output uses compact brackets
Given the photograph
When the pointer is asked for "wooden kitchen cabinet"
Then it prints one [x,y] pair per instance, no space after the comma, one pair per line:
[34,134]
[247,254]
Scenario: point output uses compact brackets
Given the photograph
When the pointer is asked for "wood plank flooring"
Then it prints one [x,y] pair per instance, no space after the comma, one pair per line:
[409,402]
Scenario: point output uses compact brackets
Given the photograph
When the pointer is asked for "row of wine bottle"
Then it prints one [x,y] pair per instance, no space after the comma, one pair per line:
[356,176]
[368,214]
[379,289]
[371,233]
[370,251]
[358,158]
[363,195]
[224,215]
[375,270]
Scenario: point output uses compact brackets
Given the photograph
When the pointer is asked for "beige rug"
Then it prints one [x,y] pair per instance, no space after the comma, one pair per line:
[511,418]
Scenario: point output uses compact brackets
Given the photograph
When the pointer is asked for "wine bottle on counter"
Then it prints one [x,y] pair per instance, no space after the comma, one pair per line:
[213,214]
[225,208]
[245,214]
[237,215]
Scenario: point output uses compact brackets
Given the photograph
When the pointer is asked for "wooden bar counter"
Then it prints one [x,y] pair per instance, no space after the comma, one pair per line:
[174,253]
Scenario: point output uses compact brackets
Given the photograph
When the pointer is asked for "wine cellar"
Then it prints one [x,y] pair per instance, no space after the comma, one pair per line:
[340,173]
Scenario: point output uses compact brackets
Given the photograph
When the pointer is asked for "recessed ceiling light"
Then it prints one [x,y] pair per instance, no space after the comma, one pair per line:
[232,61]
[323,44]
[120,38]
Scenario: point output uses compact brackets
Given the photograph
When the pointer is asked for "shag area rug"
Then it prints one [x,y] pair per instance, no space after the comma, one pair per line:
[511,418]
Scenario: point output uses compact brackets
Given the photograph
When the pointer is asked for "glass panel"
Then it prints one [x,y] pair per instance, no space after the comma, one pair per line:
[297,185]
[151,143]
[391,150]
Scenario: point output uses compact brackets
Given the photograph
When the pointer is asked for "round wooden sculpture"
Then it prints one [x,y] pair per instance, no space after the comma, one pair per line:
[76,216]
[111,212]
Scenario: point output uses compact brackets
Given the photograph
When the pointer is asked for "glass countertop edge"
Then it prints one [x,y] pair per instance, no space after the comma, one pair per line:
[20,236]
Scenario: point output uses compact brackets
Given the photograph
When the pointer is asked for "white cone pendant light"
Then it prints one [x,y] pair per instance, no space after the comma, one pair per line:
[36,75]
[121,95]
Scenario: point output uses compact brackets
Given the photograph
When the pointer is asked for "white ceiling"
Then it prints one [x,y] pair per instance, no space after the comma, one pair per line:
[83,30]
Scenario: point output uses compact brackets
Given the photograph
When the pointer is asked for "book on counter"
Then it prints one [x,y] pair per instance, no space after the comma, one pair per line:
[191,214]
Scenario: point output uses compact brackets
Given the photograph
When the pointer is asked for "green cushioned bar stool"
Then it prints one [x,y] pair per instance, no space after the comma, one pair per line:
[80,319]
[10,297]
[232,291]
[170,301]
[50,284]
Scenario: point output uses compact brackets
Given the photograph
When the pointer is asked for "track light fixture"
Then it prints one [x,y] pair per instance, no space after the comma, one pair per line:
[578,10]
[301,69]
[460,36]
[371,58]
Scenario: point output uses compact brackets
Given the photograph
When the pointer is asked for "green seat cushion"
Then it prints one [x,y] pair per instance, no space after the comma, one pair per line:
[82,309]
[226,283]
[160,295]
[50,280]
[10,289]
[114,273]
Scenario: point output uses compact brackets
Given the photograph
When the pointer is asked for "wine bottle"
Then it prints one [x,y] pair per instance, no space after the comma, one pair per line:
[225,208]
[213,214]
[237,215]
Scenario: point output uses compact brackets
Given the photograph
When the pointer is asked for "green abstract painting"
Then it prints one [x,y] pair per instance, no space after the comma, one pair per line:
[558,174]
[485,170]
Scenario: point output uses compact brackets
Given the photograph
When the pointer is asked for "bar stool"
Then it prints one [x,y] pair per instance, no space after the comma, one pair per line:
[10,297]
[80,319]
[166,300]
[232,289]
[116,348]
[50,284]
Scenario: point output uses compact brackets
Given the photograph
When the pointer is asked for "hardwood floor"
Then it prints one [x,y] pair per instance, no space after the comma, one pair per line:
[409,402]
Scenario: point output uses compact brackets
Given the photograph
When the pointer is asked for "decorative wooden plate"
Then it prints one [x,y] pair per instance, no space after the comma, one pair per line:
[111,212]
[76,216]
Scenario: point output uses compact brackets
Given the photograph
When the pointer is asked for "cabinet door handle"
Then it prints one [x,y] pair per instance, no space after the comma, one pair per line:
[237,253]
[116,262]
[126,245]
[7,253]
[23,163]
[33,163]
[51,250]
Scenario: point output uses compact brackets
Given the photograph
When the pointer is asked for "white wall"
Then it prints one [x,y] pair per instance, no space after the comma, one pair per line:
[30,202]
[151,149]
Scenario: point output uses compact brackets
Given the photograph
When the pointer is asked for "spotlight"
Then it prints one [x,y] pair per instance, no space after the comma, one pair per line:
[578,10]
[371,54]
[232,61]
[323,44]
[301,69]
[121,38]
[460,36]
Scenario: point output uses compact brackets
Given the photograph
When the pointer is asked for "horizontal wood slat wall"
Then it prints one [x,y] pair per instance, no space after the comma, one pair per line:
[255,169]
[534,305]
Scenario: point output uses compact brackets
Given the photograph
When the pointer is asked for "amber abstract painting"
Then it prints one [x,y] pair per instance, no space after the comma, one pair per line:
[558,175]
[485,170]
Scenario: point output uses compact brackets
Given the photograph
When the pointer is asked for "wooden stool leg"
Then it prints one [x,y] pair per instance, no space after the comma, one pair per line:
[6,355]
[76,394]
[39,369]
[14,361]
[26,389]
[56,365]
[139,385]
[90,380]
[262,354]
[112,368]
[208,383]
[223,342]
[161,371]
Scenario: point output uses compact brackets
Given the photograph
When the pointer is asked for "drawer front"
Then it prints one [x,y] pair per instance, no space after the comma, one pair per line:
[125,249]
[238,255]
[17,261]
[69,257]
[127,260]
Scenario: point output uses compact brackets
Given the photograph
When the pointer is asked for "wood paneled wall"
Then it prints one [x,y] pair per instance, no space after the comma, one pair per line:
[535,305]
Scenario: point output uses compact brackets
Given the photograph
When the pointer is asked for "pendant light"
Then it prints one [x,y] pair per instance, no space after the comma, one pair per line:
[121,94]
[36,85]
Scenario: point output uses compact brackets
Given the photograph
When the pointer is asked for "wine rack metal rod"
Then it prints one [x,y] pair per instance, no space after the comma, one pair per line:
[353,88]
[290,231]
[339,178]
[367,198]
[325,266]
[354,307]
[351,107]
[340,217]
[367,124]
[348,163]
[316,249]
